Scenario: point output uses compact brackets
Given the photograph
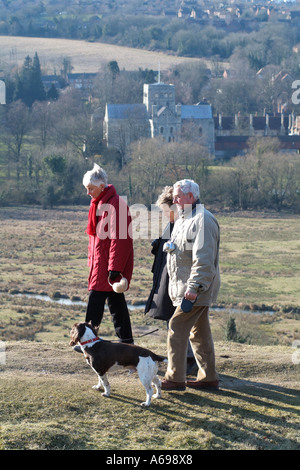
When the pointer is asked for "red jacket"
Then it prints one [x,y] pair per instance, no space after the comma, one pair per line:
[111,249]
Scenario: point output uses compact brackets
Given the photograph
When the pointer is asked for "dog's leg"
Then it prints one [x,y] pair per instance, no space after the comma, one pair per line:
[99,384]
[103,382]
[157,384]
[106,386]
[146,372]
[149,393]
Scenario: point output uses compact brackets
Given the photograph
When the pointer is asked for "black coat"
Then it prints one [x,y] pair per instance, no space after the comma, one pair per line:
[159,304]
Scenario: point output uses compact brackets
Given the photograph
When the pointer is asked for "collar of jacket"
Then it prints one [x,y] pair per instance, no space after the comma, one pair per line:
[190,208]
[107,193]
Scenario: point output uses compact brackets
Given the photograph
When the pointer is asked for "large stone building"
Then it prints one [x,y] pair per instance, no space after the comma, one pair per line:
[158,117]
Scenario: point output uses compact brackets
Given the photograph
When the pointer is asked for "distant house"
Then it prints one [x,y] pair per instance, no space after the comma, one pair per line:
[158,117]
[197,12]
[49,80]
[81,81]
[184,12]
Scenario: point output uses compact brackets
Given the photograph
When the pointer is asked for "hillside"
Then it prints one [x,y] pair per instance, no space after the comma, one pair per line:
[47,402]
[85,56]
[46,396]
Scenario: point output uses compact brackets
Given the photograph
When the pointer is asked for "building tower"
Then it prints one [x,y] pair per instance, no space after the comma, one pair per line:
[164,115]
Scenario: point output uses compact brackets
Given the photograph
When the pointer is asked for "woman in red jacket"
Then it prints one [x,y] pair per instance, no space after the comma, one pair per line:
[110,253]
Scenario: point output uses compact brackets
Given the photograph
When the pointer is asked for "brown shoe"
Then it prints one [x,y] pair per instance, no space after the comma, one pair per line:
[200,385]
[168,385]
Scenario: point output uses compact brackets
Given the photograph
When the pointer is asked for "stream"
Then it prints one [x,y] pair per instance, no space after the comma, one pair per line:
[68,301]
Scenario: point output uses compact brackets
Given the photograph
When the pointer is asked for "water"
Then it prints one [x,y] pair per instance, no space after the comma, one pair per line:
[67,301]
[46,298]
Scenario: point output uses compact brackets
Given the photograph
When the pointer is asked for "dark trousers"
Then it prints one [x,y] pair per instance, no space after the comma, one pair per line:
[118,308]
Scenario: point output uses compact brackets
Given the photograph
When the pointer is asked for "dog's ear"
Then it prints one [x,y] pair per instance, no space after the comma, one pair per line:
[74,334]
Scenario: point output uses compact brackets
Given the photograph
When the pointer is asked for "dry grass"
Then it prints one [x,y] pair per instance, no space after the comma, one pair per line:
[260,261]
[85,56]
[47,403]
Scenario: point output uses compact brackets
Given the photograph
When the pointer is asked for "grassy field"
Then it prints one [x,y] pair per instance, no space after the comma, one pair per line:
[46,399]
[85,56]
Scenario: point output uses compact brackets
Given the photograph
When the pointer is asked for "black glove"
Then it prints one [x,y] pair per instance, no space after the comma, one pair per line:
[155,246]
[113,275]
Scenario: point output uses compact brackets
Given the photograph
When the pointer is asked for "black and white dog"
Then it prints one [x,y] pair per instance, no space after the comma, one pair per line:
[101,355]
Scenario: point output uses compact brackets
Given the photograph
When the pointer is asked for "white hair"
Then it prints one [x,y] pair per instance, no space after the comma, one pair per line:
[96,176]
[188,186]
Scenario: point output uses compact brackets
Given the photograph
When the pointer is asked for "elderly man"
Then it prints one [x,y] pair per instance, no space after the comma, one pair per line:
[194,281]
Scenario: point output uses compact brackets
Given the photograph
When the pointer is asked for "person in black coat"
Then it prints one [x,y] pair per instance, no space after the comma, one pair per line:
[159,304]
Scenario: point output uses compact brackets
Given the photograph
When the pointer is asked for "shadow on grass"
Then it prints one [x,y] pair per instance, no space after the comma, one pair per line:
[243,411]
[254,411]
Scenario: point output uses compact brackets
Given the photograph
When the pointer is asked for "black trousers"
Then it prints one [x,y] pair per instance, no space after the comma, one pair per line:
[118,309]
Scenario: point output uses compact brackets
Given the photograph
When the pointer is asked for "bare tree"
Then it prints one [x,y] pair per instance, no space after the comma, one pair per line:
[18,124]
[147,168]
[42,119]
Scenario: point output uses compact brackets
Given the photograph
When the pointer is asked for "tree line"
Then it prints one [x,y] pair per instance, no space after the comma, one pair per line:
[265,41]
[46,149]
[27,84]
[47,144]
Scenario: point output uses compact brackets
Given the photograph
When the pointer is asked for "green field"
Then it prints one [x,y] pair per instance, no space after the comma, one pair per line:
[46,399]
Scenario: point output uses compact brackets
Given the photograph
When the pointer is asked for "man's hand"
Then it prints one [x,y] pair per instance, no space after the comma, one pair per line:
[190,295]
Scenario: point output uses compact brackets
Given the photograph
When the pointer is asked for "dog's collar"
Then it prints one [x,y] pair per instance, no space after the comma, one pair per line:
[90,341]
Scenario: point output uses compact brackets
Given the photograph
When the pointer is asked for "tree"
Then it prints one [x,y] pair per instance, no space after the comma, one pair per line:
[52,93]
[23,90]
[42,120]
[231,332]
[147,169]
[66,67]
[189,80]
[114,69]
[36,80]
[29,86]
[17,125]
[154,163]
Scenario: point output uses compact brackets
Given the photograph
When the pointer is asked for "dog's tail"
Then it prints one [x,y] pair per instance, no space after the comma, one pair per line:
[158,358]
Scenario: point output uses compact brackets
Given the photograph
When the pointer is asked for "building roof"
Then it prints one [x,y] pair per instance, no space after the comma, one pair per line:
[126,111]
[258,122]
[200,111]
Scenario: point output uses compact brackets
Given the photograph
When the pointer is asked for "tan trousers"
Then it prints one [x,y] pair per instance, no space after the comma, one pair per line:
[193,325]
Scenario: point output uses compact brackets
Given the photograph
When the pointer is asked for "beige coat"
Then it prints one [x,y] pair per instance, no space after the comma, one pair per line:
[194,263]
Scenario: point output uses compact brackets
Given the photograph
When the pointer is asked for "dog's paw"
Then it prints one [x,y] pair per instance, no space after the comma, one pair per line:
[145,404]
[105,394]
[157,395]
[97,387]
